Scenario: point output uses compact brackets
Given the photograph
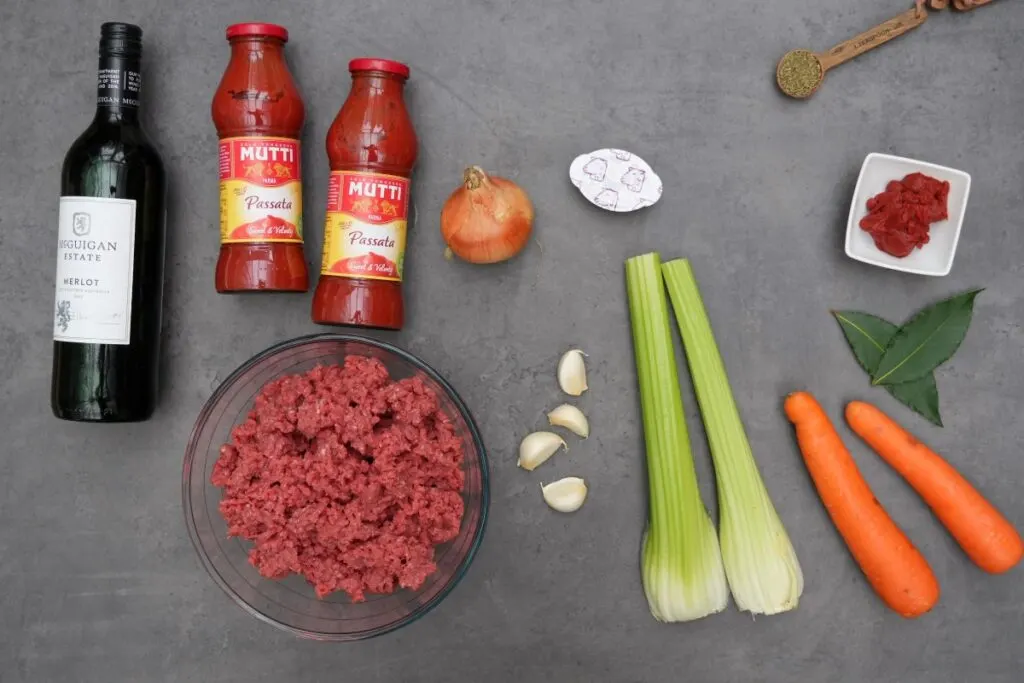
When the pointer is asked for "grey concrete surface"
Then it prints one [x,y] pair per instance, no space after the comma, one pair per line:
[98,580]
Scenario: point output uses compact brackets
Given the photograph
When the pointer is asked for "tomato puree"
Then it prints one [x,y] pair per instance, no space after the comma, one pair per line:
[259,113]
[372,149]
[344,476]
[899,219]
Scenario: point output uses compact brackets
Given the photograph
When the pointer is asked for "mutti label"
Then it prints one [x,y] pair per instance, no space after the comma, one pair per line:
[367,217]
[260,190]
[368,196]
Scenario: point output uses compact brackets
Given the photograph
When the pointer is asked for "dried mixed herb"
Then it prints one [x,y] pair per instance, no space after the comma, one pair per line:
[799,73]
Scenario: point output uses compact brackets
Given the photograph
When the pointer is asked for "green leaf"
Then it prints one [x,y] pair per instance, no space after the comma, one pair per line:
[921,396]
[927,341]
[868,335]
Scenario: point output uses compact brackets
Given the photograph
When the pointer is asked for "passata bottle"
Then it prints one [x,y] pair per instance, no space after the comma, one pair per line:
[259,114]
[372,149]
[110,252]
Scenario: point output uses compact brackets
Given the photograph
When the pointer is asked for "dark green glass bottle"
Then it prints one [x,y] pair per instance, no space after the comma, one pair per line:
[110,254]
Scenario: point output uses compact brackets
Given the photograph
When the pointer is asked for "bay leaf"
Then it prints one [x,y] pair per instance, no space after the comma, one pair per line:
[921,396]
[926,341]
[868,335]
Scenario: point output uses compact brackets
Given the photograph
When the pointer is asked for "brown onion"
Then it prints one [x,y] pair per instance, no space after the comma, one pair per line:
[487,220]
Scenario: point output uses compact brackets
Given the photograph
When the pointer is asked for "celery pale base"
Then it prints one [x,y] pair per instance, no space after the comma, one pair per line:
[681,562]
[677,592]
[763,569]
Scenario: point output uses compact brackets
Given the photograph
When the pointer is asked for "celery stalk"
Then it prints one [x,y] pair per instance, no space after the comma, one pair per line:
[763,570]
[683,576]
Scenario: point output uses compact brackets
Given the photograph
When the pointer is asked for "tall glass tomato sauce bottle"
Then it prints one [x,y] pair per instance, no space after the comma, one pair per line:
[372,149]
[259,113]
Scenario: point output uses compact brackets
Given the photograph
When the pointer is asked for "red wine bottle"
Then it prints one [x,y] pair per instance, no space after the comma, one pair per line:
[110,252]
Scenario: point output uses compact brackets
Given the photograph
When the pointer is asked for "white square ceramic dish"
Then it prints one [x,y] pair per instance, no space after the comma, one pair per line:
[934,258]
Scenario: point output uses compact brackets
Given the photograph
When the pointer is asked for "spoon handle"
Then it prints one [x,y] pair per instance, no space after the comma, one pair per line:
[872,38]
[961,5]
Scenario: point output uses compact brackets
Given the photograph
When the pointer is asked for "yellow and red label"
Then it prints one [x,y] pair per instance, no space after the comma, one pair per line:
[367,216]
[260,190]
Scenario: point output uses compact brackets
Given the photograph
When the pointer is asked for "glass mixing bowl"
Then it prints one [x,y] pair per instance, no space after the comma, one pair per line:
[290,603]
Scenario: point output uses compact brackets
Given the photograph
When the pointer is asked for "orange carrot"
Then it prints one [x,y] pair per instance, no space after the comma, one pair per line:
[893,566]
[984,534]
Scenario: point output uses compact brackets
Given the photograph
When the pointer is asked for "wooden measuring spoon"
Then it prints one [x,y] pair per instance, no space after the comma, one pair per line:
[961,5]
[800,72]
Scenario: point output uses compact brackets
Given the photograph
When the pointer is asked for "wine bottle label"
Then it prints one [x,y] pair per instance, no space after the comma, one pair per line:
[260,190]
[95,255]
[119,83]
[367,216]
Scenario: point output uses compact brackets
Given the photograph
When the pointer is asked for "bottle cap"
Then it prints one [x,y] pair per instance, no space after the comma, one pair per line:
[374,64]
[121,39]
[257,29]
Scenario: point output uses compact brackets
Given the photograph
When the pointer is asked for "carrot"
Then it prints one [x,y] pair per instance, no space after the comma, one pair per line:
[984,534]
[897,571]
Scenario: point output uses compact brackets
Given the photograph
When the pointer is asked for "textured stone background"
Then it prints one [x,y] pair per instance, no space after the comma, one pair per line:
[98,581]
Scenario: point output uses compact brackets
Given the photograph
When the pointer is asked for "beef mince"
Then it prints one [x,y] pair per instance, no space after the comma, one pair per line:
[344,476]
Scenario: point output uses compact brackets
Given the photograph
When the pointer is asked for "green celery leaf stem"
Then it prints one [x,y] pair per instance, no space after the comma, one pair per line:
[751,531]
[682,566]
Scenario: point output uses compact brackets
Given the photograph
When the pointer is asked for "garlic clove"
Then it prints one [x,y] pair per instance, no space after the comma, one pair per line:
[570,417]
[536,448]
[565,495]
[572,373]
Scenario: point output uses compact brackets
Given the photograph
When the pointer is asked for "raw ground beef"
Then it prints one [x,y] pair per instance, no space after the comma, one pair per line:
[345,477]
